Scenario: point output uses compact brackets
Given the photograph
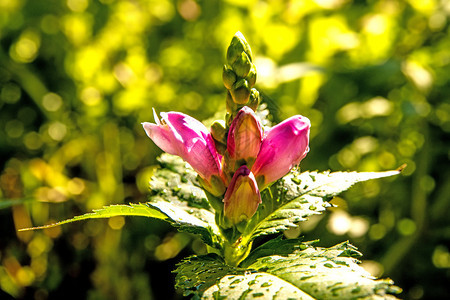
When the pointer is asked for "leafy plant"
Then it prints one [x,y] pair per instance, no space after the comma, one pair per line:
[241,182]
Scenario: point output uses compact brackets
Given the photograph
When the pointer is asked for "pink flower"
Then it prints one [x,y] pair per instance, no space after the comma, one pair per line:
[182,135]
[283,147]
[259,159]
[242,196]
[244,136]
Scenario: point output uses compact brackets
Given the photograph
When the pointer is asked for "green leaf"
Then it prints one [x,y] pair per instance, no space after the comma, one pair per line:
[301,271]
[297,196]
[141,209]
[176,181]
[176,192]
[209,277]
[175,198]
[326,273]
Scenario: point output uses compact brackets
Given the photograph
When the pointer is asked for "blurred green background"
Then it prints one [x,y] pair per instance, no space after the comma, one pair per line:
[77,77]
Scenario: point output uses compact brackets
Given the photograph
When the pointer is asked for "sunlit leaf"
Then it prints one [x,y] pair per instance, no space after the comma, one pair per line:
[176,198]
[300,271]
[298,196]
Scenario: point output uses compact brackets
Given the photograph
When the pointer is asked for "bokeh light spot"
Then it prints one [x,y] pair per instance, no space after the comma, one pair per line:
[116,223]
[52,102]
[14,128]
[26,47]
[406,227]
[77,5]
[57,131]
[441,257]
[75,186]
[189,9]
[10,93]
[340,222]
[91,96]
[377,231]
[33,140]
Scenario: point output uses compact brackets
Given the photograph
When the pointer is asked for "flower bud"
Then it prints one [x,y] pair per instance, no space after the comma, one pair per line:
[244,136]
[238,44]
[228,77]
[251,77]
[254,99]
[242,65]
[219,131]
[240,92]
[242,197]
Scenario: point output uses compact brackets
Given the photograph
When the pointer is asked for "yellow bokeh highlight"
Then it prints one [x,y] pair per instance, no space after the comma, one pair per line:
[77,28]
[116,223]
[328,35]
[26,48]
[77,5]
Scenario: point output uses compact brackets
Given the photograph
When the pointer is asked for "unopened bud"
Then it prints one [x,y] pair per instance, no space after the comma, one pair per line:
[240,92]
[242,197]
[251,77]
[242,65]
[238,44]
[229,77]
[218,131]
[254,99]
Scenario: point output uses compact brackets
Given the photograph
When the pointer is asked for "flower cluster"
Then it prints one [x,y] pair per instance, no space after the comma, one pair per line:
[238,158]
[254,157]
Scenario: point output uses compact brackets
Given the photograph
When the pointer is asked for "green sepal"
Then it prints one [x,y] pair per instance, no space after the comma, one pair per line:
[219,131]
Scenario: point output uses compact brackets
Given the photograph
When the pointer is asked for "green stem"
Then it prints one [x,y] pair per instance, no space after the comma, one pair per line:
[236,252]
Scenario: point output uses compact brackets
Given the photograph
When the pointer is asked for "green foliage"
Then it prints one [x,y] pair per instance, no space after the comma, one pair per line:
[77,77]
[298,271]
[296,196]
[175,198]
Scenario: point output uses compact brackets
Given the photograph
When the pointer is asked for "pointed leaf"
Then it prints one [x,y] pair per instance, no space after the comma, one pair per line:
[210,278]
[300,272]
[326,273]
[297,196]
[176,198]
[141,209]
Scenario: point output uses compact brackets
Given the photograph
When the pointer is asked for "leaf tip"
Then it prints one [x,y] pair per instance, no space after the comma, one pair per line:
[401,168]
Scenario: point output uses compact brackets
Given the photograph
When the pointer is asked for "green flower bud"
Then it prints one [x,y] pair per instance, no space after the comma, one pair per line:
[251,77]
[238,44]
[242,65]
[240,92]
[254,99]
[218,131]
[229,77]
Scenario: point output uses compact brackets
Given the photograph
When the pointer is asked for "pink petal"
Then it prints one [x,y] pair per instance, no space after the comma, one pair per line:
[284,146]
[182,135]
